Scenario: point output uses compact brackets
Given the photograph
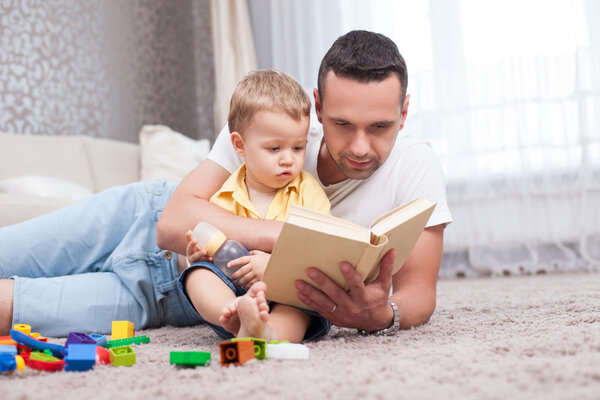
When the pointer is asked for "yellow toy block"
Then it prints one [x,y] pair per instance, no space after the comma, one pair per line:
[122,330]
[26,329]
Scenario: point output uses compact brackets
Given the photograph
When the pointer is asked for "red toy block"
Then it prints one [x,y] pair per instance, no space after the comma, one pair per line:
[44,362]
[237,353]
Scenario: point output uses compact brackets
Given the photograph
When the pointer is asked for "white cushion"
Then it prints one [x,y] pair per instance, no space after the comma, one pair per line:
[169,155]
[44,186]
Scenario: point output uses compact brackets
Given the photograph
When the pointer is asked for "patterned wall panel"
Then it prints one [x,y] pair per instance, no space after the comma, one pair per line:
[105,68]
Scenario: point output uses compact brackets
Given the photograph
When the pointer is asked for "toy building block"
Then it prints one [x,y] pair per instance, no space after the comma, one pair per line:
[237,353]
[20,363]
[7,340]
[7,362]
[260,347]
[39,337]
[44,362]
[287,351]
[26,329]
[8,349]
[127,341]
[102,355]
[27,341]
[123,355]
[100,339]
[122,330]
[189,359]
[80,356]
[78,337]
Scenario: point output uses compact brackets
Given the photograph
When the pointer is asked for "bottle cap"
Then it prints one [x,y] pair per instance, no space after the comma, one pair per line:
[209,237]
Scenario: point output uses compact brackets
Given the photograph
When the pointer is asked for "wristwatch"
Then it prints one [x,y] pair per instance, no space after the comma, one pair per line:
[391,330]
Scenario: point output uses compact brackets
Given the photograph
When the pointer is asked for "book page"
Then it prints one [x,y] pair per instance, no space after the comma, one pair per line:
[329,224]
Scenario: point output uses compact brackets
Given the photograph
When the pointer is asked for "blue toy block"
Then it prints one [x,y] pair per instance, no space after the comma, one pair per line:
[7,362]
[77,337]
[27,341]
[8,349]
[80,356]
[100,339]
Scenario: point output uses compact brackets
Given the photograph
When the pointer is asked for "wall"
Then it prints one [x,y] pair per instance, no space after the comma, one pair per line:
[104,68]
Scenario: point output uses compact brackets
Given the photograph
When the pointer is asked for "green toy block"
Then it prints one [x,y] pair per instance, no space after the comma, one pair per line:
[190,359]
[260,347]
[36,355]
[123,355]
[127,341]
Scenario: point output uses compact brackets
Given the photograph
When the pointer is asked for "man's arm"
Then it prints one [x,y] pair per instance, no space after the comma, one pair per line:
[366,307]
[189,204]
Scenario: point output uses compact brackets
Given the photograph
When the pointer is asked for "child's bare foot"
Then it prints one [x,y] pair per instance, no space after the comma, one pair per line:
[229,318]
[253,312]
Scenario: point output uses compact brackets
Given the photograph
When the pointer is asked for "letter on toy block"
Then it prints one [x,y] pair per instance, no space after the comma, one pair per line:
[122,330]
[237,353]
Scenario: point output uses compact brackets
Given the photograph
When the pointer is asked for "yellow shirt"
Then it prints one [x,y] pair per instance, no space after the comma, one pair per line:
[303,191]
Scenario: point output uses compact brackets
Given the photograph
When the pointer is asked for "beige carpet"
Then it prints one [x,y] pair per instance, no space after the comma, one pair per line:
[535,337]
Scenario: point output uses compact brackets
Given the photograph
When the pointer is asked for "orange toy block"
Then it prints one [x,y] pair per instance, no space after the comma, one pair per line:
[237,353]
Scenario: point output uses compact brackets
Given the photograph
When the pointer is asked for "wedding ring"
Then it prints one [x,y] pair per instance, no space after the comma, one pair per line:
[333,309]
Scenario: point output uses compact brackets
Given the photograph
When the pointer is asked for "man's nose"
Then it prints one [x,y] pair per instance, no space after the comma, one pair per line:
[359,146]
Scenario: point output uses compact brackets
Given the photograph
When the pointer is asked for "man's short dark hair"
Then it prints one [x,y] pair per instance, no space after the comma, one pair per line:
[363,56]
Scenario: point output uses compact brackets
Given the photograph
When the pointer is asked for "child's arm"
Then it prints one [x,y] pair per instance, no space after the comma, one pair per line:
[193,253]
[253,269]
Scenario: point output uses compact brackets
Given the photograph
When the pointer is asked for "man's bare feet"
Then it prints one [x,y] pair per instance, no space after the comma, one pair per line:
[253,312]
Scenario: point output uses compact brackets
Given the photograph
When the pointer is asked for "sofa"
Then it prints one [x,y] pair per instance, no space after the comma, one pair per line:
[39,173]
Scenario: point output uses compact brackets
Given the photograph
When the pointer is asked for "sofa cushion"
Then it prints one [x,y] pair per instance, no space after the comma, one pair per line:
[112,162]
[44,186]
[169,155]
[62,157]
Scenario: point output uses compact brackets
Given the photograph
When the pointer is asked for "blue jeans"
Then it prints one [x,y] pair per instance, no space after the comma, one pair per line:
[96,261]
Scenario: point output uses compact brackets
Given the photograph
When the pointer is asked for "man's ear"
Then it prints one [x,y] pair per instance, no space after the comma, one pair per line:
[238,143]
[318,107]
[404,111]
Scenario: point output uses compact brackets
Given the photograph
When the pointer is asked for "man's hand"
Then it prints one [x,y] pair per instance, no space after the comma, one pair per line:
[363,306]
[253,268]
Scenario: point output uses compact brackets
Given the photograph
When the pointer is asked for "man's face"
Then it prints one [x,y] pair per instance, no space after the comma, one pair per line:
[360,123]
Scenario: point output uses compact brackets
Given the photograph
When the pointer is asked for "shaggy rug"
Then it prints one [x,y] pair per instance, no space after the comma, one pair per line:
[529,337]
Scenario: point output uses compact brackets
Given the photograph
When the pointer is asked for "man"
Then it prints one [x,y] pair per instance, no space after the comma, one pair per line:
[364,167]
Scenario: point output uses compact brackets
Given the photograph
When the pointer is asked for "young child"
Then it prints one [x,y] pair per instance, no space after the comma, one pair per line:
[268,121]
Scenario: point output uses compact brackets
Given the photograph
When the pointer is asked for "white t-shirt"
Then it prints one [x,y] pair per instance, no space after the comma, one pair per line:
[411,171]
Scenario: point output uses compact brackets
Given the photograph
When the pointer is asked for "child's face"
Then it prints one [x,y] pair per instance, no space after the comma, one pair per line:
[273,145]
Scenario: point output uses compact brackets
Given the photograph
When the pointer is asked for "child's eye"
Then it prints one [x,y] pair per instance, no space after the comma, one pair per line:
[275,148]
[298,148]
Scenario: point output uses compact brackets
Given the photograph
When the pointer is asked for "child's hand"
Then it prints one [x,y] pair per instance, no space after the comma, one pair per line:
[193,253]
[253,268]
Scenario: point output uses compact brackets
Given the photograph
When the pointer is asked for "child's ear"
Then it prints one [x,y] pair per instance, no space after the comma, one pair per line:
[238,143]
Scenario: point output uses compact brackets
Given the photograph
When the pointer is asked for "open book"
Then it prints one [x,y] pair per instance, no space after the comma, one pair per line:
[311,239]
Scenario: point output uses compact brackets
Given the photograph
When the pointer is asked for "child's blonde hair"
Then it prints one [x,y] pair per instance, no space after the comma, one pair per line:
[262,90]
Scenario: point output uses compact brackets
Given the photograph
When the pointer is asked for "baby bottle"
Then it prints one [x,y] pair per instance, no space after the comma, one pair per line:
[216,244]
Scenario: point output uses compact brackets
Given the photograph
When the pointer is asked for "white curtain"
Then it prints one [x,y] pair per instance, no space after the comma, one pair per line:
[508,94]
[234,53]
